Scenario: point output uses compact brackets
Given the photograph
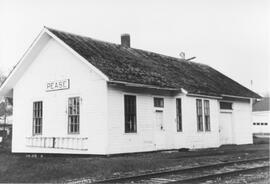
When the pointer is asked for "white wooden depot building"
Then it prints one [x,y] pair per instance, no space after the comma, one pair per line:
[77,95]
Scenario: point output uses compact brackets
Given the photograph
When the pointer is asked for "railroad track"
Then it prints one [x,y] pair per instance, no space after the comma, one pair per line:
[214,153]
[196,174]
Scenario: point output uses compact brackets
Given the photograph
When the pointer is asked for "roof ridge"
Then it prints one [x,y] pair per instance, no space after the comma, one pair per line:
[80,35]
[116,44]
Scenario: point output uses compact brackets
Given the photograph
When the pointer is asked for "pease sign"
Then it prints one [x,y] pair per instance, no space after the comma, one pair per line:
[57,85]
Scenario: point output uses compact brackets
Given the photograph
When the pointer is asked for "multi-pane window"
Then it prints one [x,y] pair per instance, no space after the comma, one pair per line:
[207,115]
[37,117]
[130,114]
[179,114]
[158,102]
[199,115]
[225,105]
[74,115]
[203,115]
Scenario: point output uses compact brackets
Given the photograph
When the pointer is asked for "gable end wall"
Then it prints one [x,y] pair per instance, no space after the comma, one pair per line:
[54,62]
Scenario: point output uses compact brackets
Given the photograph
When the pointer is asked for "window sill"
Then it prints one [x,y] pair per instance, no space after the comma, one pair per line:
[37,135]
[207,132]
[74,133]
[226,110]
[131,133]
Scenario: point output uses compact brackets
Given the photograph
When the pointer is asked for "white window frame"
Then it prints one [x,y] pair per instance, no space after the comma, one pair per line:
[37,116]
[77,109]
[161,98]
[203,114]
[136,114]
[177,120]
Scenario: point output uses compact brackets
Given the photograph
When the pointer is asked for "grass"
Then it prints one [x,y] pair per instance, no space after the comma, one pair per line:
[18,168]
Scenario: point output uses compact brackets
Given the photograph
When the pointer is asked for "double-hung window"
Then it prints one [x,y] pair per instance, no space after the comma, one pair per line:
[74,115]
[199,115]
[207,115]
[37,118]
[203,115]
[130,114]
[179,114]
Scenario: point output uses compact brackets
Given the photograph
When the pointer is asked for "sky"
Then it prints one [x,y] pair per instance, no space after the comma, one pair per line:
[231,36]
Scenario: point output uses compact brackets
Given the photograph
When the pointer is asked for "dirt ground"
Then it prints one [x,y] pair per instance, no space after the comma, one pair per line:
[19,168]
[259,177]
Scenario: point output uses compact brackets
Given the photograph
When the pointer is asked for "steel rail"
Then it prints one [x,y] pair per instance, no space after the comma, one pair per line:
[215,153]
[161,173]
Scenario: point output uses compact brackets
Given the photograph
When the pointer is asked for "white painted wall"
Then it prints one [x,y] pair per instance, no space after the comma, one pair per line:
[261,117]
[195,139]
[144,139]
[242,118]
[54,62]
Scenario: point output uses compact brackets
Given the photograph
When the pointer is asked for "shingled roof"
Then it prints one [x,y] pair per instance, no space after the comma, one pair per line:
[132,65]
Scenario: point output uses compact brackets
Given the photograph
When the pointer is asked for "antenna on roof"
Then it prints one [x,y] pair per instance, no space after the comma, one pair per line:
[189,59]
[182,55]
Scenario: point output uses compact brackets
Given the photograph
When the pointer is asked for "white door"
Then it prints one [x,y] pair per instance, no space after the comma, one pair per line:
[160,131]
[226,128]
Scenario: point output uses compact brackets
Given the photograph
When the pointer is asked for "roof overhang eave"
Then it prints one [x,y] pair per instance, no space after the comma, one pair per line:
[130,84]
[204,96]
[235,96]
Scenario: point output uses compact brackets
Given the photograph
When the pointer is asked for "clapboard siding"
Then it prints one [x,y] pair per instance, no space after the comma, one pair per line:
[192,138]
[54,62]
[144,139]
[242,118]
[119,141]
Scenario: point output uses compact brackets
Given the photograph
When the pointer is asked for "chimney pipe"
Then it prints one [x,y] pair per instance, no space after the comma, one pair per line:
[125,40]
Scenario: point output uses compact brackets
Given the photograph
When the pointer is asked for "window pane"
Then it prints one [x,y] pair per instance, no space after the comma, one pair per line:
[207,115]
[199,114]
[179,114]
[37,117]
[158,102]
[225,105]
[130,113]
[73,114]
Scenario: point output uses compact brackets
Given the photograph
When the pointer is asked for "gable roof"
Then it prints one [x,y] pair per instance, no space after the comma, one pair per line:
[132,65]
[263,105]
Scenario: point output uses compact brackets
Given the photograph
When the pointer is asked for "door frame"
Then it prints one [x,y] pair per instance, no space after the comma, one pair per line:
[159,134]
[231,124]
